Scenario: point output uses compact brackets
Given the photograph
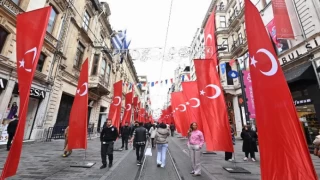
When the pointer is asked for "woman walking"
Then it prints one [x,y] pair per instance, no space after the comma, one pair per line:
[161,136]
[67,152]
[195,143]
[152,132]
[249,143]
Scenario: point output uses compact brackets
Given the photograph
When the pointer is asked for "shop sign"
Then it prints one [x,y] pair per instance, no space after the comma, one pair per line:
[3,83]
[300,51]
[304,101]
[37,93]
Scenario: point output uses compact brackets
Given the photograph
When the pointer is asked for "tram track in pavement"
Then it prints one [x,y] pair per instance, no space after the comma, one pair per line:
[170,169]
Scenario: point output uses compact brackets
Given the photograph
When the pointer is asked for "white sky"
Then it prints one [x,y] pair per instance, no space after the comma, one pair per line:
[146,23]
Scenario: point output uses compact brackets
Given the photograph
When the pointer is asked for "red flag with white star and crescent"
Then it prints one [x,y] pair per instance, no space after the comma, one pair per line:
[78,121]
[181,116]
[115,106]
[210,38]
[128,109]
[31,30]
[283,149]
[214,109]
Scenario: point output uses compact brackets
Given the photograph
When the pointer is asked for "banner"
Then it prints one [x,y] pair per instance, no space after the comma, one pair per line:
[280,44]
[170,114]
[142,114]
[78,122]
[181,116]
[128,109]
[135,108]
[210,38]
[115,106]
[282,20]
[31,29]
[215,110]
[283,149]
[249,93]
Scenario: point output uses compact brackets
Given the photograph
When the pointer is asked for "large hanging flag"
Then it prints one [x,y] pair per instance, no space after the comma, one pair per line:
[283,150]
[78,122]
[31,29]
[181,116]
[171,120]
[128,109]
[135,108]
[115,106]
[282,20]
[215,111]
[142,114]
[210,38]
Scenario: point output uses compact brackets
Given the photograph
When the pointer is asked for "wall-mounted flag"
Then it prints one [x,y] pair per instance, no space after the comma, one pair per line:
[233,74]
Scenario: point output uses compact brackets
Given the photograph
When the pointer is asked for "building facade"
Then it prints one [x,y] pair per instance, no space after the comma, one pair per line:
[77,30]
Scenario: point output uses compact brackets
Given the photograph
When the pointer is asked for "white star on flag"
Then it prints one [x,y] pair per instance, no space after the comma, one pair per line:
[187,103]
[21,63]
[202,92]
[253,61]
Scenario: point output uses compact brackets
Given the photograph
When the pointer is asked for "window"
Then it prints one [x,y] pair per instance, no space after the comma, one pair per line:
[86,21]
[235,9]
[16,2]
[52,19]
[241,3]
[41,61]
[108,74]
[79,54]
[229,79]
[225,43]
[240,36]
[3,37]
[103,67]
[95,64]
[223,21]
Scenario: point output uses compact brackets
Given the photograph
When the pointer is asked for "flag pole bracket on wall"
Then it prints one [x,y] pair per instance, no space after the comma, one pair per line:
[236,169]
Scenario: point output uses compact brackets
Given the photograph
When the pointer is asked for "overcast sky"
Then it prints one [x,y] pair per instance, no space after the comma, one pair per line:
[146,23]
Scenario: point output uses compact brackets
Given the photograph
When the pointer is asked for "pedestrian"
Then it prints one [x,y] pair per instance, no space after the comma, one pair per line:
[11,129]
[162,144]
[172,128]
[195,143]
[136,125]
[249,143]
[66,152]
[152,132]
[108,136]
[140,135]
[125,133]
[228,155]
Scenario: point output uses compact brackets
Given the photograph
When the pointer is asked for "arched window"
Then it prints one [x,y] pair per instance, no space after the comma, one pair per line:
[3,37]
[52,19]
[103,67]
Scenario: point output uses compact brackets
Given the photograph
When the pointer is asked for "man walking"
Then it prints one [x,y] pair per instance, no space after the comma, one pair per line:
[125,133]
[172,128]
[11,129]
[136,125]
[140,135]
[108,135]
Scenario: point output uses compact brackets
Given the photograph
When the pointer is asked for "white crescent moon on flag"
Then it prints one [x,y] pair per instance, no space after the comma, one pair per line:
[198,102]
[184,107]
[85,91]
[34,50]
[218,91]
[209,36]
[129,107]
[273,60]
[117,97]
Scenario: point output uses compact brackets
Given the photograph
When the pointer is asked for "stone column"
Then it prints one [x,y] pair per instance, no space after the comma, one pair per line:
[5,98]
[237,115]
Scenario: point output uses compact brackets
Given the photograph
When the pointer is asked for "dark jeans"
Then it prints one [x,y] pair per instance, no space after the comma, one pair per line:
[10,138]
[152,142]
[140,151]
[252,155]
[107,149]
[227,156]
[172,133]
[125,142]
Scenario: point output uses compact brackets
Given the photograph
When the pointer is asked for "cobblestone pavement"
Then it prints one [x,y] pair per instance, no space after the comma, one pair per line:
[43,160]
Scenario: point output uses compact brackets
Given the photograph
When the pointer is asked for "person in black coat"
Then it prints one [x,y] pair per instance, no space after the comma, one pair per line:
[11,129]
[125,133]
[249,143]
[136,125]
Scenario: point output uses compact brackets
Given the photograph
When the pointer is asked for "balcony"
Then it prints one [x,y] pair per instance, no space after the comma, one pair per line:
[238,46]
[224,54]
[98,85]
[222,30]
[234,19]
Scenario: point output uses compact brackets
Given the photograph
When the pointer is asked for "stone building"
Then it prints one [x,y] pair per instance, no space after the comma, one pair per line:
[77,30]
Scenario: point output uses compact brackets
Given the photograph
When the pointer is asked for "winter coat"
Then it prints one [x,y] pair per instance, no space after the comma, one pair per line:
[153,132]
[125,131]
[12,127]
[249,141]
[162,136]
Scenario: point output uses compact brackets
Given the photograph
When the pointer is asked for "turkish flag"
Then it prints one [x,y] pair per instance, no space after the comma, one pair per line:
[282,20]
[31,29]
[178,104]
[142,115]
[170,113]
[210,38]
[214,105]
[135,108]
[128,110]
[78,122]
[115,106]
[283,149]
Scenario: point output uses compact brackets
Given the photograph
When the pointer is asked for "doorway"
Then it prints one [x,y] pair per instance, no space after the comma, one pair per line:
[31,115]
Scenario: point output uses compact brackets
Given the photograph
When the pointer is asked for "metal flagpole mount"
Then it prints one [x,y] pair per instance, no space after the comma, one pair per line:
[84,163]
[235,168]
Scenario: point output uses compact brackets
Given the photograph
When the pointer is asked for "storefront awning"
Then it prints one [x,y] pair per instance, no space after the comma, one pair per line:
[303,71]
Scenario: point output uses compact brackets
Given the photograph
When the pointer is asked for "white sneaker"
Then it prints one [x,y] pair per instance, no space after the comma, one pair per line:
[230,160]
[245,159]
[253,159]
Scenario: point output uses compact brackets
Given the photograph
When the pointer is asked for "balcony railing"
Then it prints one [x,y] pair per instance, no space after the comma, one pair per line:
[233,18]
[99,85]
[238,45]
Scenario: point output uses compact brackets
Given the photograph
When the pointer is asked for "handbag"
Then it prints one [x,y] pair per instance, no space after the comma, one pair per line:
[148,152]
